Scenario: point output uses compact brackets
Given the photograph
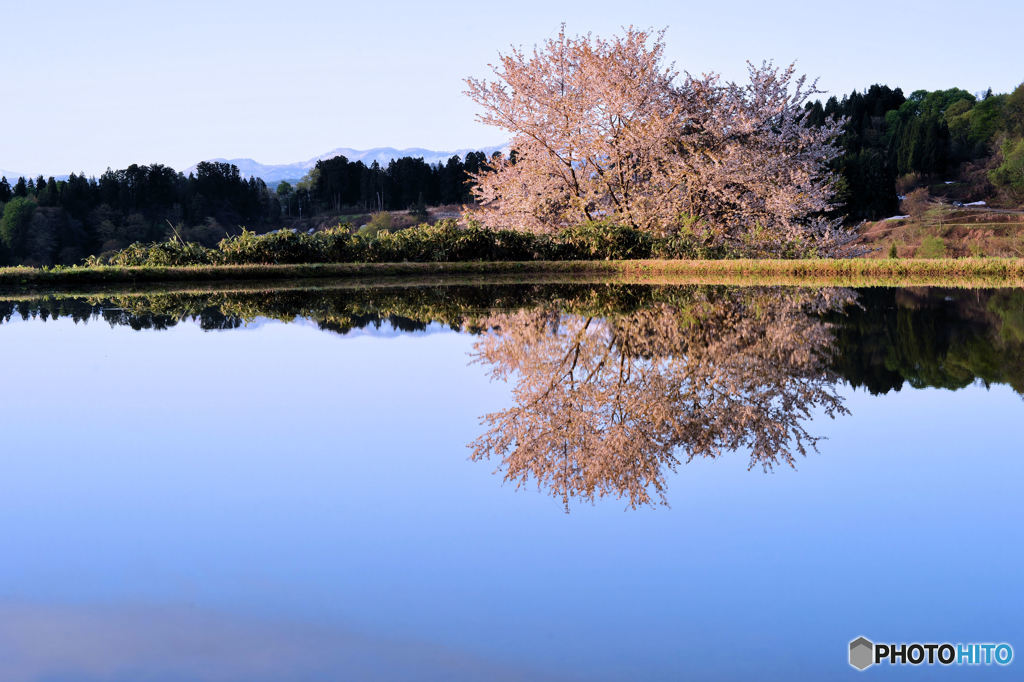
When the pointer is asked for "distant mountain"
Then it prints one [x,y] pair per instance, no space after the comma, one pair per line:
[270,174]
[275,173]
[12,176]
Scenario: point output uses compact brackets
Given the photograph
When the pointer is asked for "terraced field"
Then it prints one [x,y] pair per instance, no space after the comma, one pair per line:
[945,231]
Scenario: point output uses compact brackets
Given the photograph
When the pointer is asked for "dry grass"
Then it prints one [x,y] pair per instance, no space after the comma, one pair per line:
[849,272]
[963,232]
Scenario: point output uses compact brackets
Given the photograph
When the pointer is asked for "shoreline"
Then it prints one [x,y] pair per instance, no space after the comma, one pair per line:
[966,272]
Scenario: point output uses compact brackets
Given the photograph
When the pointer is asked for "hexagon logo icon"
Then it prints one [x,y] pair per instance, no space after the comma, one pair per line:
[861,653]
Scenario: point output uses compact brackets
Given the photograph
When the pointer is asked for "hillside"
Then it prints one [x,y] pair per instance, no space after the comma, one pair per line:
[943,230]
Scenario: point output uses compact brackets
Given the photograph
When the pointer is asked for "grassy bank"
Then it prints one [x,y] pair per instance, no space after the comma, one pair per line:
[860,272]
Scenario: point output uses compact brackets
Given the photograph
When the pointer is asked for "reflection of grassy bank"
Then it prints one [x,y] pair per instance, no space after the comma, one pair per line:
[865,272]
[925,336]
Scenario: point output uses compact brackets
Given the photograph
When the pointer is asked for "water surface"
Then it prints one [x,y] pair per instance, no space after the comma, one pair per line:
[508,482]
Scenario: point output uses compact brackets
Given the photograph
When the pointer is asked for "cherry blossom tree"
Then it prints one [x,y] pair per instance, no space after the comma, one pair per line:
[603,129]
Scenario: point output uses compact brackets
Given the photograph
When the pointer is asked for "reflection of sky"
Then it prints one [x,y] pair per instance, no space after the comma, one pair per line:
[173,644]
[307,496]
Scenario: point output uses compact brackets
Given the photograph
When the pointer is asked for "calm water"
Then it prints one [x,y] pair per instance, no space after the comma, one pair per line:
[508,483]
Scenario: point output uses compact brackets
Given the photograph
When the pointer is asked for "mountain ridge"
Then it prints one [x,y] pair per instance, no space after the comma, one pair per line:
[275,173]
[11,176]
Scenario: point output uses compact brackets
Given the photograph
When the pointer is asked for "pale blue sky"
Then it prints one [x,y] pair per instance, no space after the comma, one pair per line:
[89,85]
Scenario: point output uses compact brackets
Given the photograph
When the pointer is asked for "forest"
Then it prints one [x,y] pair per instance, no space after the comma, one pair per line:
[963,146]
[44,221]
[969,147]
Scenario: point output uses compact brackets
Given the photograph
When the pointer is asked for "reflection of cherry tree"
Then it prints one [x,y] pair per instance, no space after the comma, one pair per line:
[603,406]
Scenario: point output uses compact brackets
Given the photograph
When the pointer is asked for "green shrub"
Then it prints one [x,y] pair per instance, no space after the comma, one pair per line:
[931,247]
[444,241]
[378,221]
[170,253]
[602,241]
[1009,175]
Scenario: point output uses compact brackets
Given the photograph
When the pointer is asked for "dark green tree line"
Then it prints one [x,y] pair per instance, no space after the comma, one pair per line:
[44,221]
[926,137]
[337,184]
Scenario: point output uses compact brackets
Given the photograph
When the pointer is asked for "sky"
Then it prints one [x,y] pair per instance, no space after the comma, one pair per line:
[110,83]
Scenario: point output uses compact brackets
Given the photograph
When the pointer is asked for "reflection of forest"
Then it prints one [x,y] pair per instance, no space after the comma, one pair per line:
[613,386]
[932,337]
[925,337]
